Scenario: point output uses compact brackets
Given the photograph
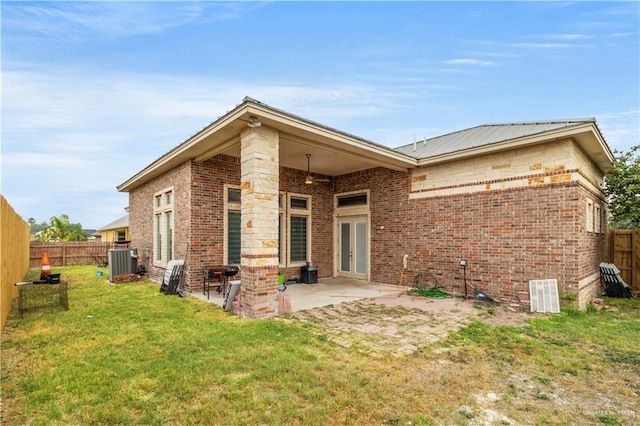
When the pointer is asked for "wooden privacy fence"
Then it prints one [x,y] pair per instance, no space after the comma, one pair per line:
[14,256]
[624,252]
[70,253]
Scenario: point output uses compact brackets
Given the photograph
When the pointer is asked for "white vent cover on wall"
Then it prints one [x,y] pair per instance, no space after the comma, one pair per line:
[543,295]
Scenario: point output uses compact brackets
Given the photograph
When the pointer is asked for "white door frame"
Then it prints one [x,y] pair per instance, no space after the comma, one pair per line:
[354,215]
[353,247]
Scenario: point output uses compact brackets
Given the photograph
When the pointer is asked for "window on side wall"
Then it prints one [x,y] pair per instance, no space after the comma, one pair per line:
[163,227]
[589,216]
[598,220]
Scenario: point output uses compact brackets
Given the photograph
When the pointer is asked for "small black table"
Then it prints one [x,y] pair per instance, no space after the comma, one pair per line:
[214,276]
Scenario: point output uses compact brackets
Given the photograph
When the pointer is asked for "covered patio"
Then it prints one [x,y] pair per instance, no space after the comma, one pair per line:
[326,292]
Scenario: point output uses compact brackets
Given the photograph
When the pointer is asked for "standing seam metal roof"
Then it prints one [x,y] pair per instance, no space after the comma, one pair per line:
[485,135]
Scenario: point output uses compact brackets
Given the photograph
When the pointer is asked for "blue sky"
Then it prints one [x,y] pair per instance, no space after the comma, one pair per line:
[93,92]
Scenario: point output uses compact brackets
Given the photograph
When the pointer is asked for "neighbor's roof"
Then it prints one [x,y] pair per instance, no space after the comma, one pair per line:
[123,222]
[484,135]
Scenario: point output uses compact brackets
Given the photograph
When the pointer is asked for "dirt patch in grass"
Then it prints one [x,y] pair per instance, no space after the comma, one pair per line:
[402,324]
[486,364]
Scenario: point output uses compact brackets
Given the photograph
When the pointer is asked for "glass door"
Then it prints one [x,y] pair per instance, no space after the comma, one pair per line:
[353,244]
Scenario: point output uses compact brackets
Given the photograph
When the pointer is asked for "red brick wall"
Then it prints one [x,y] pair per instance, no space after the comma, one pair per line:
[592,245]
[508,237]
[205,214]
[141,215]
[389,208]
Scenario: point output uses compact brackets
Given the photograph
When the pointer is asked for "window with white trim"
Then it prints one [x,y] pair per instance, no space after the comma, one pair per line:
[232,228]
[163,227]
[299,229]
[282,235]
[589,216]
[598,220]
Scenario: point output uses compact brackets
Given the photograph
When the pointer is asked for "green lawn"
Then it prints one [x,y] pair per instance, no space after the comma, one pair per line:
[127,354]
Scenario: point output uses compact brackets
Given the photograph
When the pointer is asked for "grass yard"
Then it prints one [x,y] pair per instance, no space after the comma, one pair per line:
[128,354]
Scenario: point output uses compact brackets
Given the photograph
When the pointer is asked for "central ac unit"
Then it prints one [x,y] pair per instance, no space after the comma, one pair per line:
[122,261]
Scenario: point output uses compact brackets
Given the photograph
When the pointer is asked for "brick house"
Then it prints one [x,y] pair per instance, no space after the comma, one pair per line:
[518,201]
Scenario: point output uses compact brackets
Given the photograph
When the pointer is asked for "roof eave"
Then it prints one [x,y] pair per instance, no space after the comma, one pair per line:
[180,154]
[237,118]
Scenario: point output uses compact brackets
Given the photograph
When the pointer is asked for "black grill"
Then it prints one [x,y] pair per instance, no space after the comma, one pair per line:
[230,270]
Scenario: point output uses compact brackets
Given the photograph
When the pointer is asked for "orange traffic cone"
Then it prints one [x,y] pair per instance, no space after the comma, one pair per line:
[46,269]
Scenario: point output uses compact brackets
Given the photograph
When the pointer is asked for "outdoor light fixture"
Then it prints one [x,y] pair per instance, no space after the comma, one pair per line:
[254,122]
[464,264]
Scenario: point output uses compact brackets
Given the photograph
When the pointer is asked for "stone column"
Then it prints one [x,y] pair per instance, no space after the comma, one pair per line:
[259,158]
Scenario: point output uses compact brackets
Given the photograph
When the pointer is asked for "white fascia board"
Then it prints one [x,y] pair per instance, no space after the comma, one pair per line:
[181,152]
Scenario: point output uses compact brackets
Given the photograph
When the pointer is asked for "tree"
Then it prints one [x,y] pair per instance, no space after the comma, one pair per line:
[60,229]
[623,189]
[36,227]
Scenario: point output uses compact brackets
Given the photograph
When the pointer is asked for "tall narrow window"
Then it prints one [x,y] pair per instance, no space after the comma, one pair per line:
[282,235]
[158,235]
[598,220]
[169,233]
[233,235]
[163,232]
[233,238]
[299,240]
[589,217]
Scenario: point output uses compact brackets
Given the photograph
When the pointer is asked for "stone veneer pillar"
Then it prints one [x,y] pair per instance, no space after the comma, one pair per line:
[259,159]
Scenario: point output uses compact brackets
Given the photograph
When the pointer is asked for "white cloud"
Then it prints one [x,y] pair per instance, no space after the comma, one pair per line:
[569,36]
[72,134]
[546,45]
[468,61]
[620,128]
[74,21]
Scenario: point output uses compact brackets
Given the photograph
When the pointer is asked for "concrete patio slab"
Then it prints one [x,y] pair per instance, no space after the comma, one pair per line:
[326,292]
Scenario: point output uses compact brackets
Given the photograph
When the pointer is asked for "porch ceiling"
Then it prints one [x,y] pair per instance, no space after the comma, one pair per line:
[324,161]
[333,153]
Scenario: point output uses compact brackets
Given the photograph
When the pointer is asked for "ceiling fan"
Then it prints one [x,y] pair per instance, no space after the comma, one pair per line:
[310,180]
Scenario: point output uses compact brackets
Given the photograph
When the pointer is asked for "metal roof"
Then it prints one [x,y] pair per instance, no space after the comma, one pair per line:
[123,222]
[484,135]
